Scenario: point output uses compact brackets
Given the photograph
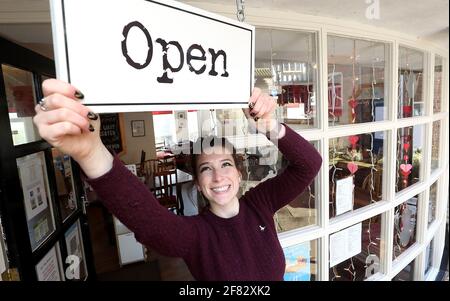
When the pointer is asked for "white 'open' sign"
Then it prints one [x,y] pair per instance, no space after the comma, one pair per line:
[138,55]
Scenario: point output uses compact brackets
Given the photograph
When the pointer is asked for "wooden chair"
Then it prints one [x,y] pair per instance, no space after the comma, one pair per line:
[168,163]
[148,168]
[165,188]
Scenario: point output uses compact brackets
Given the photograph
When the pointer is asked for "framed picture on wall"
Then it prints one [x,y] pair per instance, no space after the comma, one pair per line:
[138,128]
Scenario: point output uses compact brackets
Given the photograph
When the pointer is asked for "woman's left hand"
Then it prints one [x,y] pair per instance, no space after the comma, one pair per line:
[260,111]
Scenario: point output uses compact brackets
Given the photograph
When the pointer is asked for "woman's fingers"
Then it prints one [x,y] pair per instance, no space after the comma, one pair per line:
[263,105]
[56,101]
[62,115]
[51,86]
[255,94]
[54,132]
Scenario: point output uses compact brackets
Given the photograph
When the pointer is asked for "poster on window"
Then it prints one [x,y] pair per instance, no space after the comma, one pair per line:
[344,195]
[166,55]
[48,268]
[33,185]
[75,253]
[298,262]
[345,244]
[38,210]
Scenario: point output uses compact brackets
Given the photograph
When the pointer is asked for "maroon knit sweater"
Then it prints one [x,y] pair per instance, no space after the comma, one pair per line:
[244,247]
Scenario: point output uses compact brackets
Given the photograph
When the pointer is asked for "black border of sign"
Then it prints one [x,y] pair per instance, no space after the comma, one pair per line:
[161,103]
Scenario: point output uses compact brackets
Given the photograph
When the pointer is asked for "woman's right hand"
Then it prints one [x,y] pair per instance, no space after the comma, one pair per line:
[71,127]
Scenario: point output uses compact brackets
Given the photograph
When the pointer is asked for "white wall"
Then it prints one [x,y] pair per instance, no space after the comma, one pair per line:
[134,145]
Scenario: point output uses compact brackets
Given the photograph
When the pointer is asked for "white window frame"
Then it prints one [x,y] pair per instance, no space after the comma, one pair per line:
[322,26]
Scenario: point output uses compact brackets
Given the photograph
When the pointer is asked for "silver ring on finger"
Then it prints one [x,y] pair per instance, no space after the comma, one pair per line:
[42,105]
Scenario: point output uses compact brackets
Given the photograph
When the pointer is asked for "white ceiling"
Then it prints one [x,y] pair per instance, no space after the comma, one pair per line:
[27,21]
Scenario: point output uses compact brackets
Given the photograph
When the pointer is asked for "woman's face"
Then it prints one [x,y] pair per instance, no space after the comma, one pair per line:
[217,176]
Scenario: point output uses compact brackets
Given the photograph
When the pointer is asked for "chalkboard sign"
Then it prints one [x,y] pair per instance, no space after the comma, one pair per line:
[110,132]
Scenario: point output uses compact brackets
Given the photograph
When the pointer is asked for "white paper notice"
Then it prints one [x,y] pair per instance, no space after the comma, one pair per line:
[48,269]
[33,185]
[73,243]
[344,195]
[345,244]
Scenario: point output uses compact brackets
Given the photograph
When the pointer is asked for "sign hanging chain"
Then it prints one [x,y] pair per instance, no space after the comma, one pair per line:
[240,10]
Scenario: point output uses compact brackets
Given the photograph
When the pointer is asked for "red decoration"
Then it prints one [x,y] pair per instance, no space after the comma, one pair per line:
[406,146]
[352,102]
[405,157]
[162,112]
[352,167]
[407,110]
[353,140]
[405,169]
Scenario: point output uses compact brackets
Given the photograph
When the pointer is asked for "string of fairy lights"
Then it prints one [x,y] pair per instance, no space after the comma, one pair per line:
[352,166]
[404,148]
[372,168]
[333,165]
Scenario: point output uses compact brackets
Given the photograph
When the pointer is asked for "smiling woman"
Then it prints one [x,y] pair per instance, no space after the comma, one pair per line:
[233,229]
[217,174]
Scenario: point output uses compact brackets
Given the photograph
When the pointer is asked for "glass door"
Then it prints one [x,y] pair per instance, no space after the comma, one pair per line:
[41,197]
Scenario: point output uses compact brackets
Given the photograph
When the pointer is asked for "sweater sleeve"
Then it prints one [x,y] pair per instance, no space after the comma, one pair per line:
[125,196]
[304,165]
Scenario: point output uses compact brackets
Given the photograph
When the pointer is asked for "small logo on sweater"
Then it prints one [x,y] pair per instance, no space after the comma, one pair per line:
[262,228]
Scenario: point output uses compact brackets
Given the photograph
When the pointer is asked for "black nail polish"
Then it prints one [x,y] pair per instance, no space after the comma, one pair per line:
[92,116]
[79,95]
[252,114]
[256,119]
[251,105]
[91,128]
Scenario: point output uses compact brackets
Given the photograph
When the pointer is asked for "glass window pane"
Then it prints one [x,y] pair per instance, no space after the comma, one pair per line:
[49,268]
[438,63]
[357,70]
[409,155]
[404,226]
[435,140]
[355,251]
[36,197]
[410,82]
[355,171]
[302,211]
[432,203]
[286,68]
[301,262]
[262,160]
[64,183]
[429,257]
[407,274]
[20,94]
[75,252]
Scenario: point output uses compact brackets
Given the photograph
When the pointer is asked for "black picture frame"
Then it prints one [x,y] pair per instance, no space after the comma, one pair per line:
[138,128]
